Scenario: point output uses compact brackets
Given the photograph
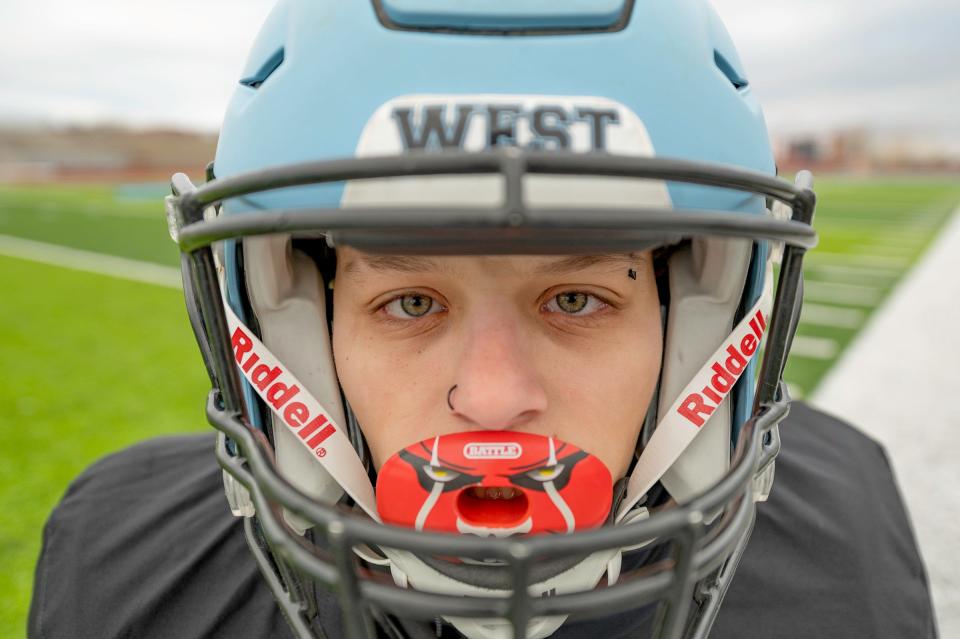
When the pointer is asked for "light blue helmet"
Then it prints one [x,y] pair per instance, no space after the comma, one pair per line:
[495,126]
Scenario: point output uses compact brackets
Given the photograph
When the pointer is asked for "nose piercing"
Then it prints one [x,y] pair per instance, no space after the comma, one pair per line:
[449,395]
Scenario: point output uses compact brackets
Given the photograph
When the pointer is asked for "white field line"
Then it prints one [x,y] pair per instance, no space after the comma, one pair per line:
[821,348]
[895,238]
[832,316]
[844,294]
[858,273]
[897,381]
[905,251]
[96,211]
[895,228]
[91,262]
[44,209]
[858,259]
[918,221]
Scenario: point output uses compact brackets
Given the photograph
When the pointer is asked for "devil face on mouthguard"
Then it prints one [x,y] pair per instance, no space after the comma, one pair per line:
[494,483]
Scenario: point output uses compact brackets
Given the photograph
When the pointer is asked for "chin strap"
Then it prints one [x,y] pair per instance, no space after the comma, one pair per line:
[313,425]
[699,399]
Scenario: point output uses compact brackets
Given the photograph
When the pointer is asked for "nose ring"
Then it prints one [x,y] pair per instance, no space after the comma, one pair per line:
[449,395]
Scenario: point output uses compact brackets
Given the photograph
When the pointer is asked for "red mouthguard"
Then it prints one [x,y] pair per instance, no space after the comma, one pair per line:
[494,483]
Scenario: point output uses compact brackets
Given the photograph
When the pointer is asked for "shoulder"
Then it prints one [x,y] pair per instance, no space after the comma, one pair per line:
[143,544]
[833,552]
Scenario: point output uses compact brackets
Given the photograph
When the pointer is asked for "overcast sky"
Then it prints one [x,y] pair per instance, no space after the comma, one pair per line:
[816,65]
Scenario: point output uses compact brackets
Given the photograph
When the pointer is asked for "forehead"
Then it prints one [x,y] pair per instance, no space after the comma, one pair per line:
[354,262]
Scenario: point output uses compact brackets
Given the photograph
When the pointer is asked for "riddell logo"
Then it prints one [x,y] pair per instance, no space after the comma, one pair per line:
[278,391]
[698,406]
[492,450]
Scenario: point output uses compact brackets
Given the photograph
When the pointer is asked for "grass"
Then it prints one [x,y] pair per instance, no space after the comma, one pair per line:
[92,218]
[91,363]
[870,232]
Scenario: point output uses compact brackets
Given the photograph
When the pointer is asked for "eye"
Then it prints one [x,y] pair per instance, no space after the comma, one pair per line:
[574,303]
[441,475]
[411,305]
[546,473]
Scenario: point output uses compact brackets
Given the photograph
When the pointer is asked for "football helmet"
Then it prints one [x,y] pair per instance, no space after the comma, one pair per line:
[478,128]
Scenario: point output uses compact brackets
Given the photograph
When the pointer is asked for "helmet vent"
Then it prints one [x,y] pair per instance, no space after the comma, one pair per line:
[505,17]
[265,71]
[735,77]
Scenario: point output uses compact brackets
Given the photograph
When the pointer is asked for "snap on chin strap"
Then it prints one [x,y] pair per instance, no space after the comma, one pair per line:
[698,400]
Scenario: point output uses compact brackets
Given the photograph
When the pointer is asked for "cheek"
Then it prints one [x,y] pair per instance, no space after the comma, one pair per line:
[385,386]
[607,391]
[632,399]
[358,369]
[361,373]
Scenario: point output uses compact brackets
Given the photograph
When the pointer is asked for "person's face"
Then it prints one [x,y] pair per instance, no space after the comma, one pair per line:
[563,346]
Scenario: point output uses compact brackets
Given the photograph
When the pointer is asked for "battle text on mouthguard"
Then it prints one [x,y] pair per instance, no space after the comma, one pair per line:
[494,483]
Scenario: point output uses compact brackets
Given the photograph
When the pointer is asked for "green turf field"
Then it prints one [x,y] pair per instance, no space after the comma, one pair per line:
[871,231]
[92,363]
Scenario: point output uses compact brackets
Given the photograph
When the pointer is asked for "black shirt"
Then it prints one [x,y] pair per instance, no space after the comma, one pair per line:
[143,545]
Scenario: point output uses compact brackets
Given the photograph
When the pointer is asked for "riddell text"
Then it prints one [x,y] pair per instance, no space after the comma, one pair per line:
[696,407]
[270,381]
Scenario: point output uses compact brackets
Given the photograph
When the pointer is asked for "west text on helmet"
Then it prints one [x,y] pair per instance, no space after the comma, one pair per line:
[698,406]
[279,389]
[544,127]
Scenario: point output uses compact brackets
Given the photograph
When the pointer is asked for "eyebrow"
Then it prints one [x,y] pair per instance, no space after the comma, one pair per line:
[401,263]
[580,262]
[418,264]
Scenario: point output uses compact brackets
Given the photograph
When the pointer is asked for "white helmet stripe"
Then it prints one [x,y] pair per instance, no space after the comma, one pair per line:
[699,398]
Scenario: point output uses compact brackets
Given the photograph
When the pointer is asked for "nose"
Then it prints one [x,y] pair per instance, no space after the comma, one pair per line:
[497,382]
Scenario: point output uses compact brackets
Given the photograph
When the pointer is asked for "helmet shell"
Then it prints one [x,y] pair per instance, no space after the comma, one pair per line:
[673,64]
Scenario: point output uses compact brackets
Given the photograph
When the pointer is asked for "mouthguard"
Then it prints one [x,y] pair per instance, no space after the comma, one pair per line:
[494,483]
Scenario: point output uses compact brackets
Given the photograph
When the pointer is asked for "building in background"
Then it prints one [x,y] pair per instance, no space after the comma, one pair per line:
[119,154]
[859,151]
[101,154]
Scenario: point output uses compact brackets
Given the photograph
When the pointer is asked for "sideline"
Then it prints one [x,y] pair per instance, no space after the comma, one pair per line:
[897,381]
[90,262]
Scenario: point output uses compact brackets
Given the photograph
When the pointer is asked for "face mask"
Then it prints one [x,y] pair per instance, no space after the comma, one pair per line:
[496,483]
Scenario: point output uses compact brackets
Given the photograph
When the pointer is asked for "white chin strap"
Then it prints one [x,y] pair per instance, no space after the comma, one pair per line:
[301,412]
[330,447]
[702,395]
